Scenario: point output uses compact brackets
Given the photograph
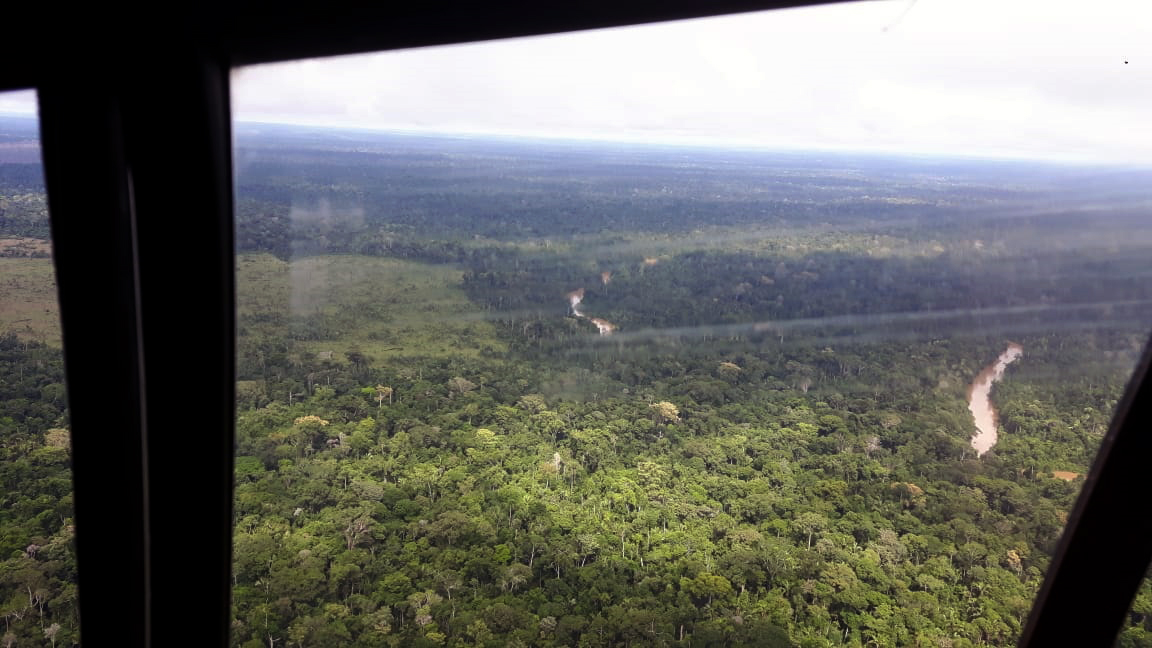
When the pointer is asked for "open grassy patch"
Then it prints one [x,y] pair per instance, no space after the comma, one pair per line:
[381,307]
[22,246]
[28,305]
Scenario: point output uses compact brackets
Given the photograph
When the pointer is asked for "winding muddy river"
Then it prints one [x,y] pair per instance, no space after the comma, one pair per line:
[980,404]
[577,296]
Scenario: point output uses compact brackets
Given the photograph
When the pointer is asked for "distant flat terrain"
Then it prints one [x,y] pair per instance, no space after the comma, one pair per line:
[380,307]
[28,305]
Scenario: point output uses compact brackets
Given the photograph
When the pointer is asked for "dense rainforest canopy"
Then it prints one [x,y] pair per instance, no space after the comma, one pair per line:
[436,445]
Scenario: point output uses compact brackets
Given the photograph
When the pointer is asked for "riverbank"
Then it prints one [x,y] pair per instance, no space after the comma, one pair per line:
[980,403]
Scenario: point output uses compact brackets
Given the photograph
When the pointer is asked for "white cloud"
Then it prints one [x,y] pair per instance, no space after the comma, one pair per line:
[18,102]
[1032,78]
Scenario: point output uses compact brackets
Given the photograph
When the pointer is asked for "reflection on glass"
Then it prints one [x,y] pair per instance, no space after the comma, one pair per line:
[37,563]
[637,337]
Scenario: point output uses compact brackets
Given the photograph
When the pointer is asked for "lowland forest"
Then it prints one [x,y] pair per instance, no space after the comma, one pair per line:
[525,392]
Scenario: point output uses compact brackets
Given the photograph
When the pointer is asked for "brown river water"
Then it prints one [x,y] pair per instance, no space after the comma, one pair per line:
[979,403]
[577,296]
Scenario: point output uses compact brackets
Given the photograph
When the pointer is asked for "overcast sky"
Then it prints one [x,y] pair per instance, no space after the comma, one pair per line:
[1002,77]
[1021,78]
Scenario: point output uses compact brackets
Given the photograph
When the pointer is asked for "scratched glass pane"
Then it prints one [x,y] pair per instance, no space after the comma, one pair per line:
[791,328]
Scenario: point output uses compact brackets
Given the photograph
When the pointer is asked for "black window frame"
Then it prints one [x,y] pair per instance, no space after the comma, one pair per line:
[136,141]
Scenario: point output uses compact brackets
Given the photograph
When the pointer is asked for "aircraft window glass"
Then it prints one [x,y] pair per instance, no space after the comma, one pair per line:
[798,327]
[37,563]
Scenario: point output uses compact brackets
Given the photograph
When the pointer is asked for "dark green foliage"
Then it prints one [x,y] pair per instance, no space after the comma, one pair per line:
[37,563]
[773,450]
[852,513]
[814,484]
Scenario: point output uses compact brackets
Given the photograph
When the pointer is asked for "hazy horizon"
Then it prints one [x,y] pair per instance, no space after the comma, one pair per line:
[1026,80]
[564,139]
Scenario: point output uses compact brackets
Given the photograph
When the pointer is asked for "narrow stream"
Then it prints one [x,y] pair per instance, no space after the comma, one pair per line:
[980,404]
[577,296]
